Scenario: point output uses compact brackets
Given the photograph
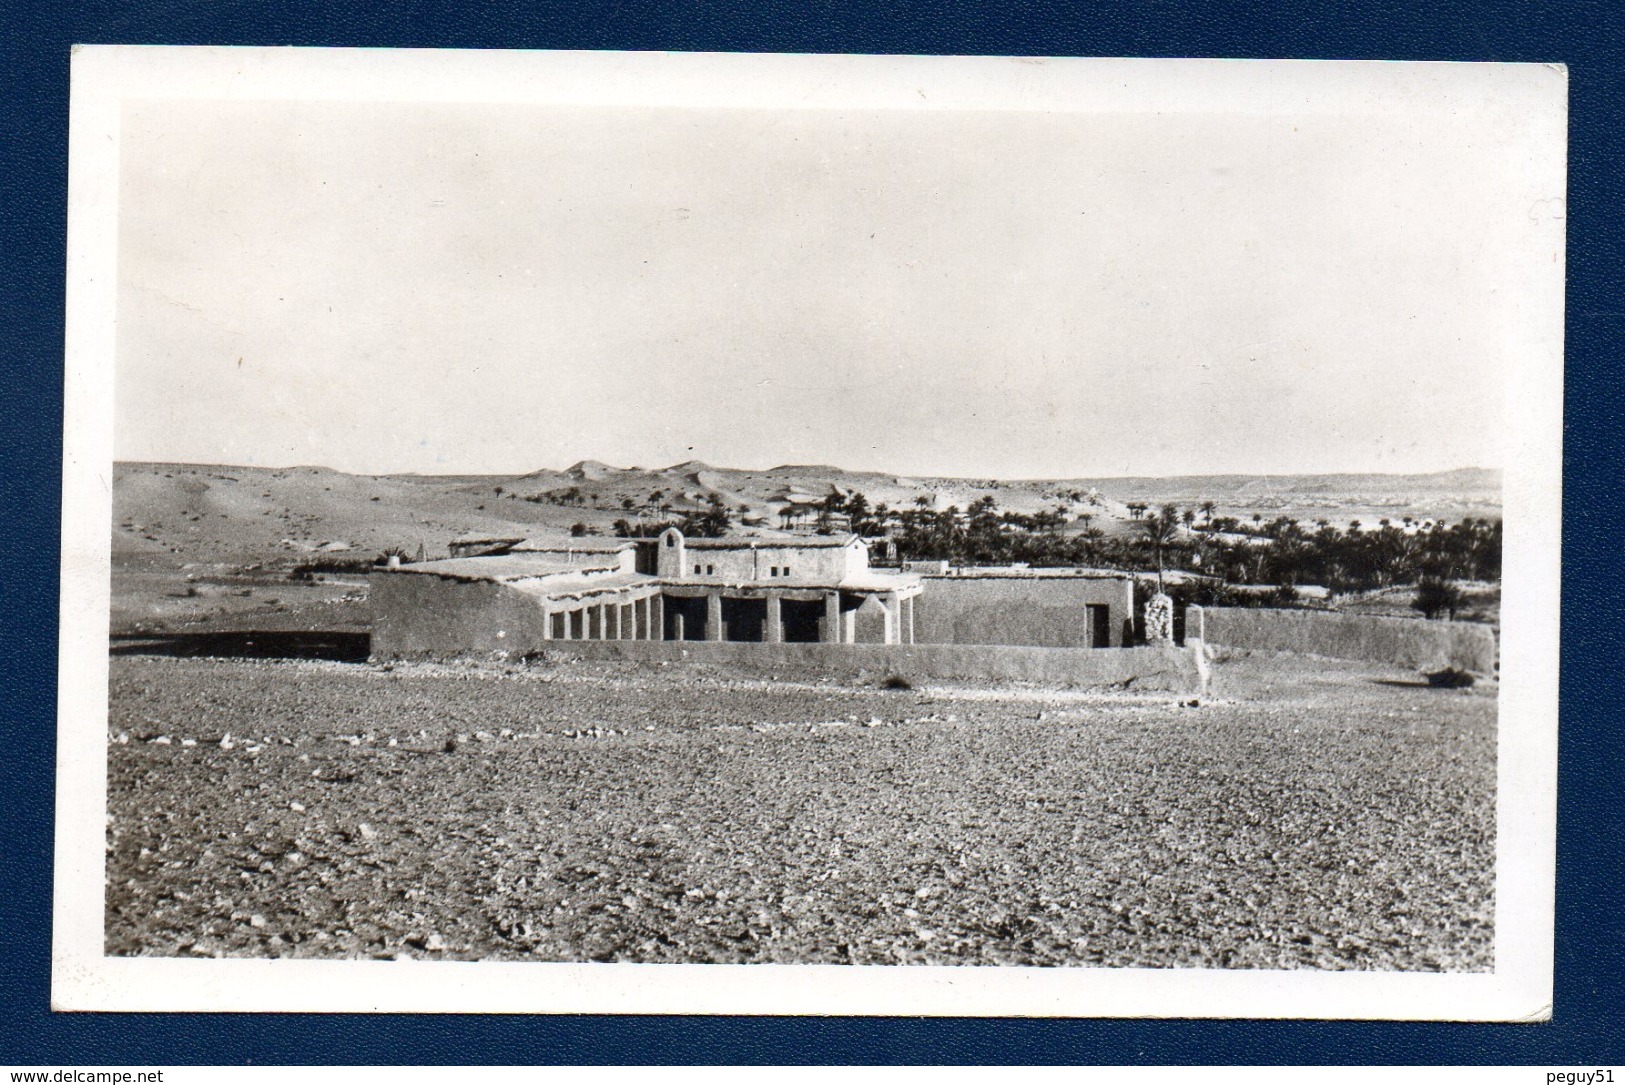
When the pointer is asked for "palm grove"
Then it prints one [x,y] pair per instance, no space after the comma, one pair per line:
[1216,555]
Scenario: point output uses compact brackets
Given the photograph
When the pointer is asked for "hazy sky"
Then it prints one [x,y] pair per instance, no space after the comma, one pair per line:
[454,288]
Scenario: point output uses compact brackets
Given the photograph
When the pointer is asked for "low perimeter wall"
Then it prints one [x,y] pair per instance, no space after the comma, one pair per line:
[1178,670]
[1408,642]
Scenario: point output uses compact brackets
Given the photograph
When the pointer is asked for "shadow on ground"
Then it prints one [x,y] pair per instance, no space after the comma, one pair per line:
[252,644]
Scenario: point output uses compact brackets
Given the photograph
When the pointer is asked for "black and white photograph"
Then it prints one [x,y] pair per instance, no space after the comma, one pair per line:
[766,534]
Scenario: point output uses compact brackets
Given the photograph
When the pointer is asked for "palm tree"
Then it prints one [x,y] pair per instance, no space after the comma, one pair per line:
[1161,528]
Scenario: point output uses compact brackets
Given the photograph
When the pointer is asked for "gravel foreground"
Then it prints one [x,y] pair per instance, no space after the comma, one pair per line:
[1309,814]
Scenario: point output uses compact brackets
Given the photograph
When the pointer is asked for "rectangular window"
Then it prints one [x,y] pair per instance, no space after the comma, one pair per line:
[696,570]
[710,570]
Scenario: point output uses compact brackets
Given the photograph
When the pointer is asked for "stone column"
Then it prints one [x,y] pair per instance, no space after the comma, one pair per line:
[657,617]
[773,631]
[547,623]
[909,602]
[713,617]
[1159,620]
[832,618]
[890,603]
[615,623]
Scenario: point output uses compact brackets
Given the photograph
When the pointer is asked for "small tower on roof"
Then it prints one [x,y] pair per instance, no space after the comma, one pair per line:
[672,561]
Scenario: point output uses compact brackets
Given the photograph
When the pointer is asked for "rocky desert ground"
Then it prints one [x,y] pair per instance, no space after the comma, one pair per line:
[1305,814]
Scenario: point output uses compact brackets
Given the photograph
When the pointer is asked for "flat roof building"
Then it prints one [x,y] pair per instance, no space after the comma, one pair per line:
[512,594]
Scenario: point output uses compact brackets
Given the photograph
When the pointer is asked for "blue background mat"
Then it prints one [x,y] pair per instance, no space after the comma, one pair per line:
[36,36]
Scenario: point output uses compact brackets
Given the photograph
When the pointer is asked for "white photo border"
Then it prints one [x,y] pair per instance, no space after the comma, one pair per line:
[1519,988]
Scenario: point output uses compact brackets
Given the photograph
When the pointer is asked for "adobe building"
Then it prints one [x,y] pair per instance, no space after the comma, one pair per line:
[809,589]
[517,595]
[1039,608]
[770,602]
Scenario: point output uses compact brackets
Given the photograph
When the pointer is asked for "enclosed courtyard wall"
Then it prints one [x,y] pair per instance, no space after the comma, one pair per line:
[432,617]
[416,614]
[1034,611]
[1407,642]
[1179,670]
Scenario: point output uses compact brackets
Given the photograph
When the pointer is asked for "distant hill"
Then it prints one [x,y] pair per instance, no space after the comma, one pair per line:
[175,513]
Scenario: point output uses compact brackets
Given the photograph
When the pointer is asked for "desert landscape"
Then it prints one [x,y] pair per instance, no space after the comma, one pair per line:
[205,548]
[1304,815]
[273,793]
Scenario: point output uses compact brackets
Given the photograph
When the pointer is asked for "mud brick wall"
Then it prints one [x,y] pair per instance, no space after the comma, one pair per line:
[417,615]
[1037,611]
[1180,670]
[1407,642]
